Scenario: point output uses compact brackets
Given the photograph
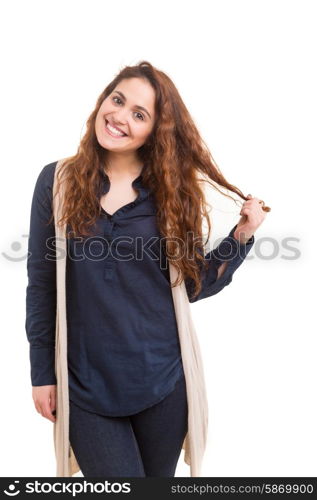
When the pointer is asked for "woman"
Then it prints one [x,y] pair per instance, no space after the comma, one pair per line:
[132,203]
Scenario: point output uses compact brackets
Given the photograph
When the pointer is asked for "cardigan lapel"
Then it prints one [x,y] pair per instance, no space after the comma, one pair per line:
[66,463]
[195,440]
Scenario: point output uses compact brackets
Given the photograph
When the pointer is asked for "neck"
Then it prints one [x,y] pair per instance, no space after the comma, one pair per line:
[119,165]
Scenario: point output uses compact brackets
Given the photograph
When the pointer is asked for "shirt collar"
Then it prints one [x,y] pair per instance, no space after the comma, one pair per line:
[137,182]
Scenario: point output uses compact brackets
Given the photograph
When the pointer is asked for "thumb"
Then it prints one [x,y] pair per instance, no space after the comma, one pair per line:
[53,399]
[243,220]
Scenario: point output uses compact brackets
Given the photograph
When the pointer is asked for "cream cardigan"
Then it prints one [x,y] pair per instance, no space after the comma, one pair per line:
[195,440]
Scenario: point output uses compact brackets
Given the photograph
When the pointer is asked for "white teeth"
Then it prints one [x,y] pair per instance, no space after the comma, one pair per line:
[114,130]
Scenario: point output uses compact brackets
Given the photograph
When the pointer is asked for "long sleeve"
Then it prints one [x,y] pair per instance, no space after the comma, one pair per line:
[230,250]
[41,289]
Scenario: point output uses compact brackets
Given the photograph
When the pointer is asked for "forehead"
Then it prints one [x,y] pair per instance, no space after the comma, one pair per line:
[137,91]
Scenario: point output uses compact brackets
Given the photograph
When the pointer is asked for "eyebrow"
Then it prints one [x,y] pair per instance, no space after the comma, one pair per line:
[138,107]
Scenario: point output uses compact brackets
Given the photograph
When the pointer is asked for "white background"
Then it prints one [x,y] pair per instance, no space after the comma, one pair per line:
[247,73]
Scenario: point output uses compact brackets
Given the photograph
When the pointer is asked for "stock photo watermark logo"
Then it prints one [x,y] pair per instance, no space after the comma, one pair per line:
[12,490]
[72,488]
[125,248]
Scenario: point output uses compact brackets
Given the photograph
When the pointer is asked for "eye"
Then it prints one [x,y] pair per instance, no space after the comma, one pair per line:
[137,112]
[116,98]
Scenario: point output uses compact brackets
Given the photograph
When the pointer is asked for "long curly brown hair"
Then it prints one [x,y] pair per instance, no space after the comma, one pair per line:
[174,154]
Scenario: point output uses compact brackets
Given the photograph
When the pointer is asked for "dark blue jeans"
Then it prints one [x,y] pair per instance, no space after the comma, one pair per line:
[147,443]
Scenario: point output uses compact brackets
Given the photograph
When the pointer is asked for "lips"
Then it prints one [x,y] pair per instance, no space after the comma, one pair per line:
[117,128]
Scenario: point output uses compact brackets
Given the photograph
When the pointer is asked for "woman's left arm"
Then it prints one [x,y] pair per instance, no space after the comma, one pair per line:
[230,253]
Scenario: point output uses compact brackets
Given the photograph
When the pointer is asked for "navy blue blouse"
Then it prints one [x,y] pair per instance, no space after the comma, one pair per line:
[123,346]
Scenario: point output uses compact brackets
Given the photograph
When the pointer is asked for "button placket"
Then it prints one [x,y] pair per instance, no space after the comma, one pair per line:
[109,260]
[109,232]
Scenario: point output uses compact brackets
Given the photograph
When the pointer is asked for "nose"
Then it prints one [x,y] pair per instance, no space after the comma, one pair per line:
[120,118]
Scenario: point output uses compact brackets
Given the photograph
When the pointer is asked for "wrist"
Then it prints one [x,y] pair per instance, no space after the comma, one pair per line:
[241,236]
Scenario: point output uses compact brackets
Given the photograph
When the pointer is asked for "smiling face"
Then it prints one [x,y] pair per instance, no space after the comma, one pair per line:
[128,110]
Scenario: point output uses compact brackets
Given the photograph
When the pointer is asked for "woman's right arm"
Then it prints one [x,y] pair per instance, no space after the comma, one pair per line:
[41,294]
